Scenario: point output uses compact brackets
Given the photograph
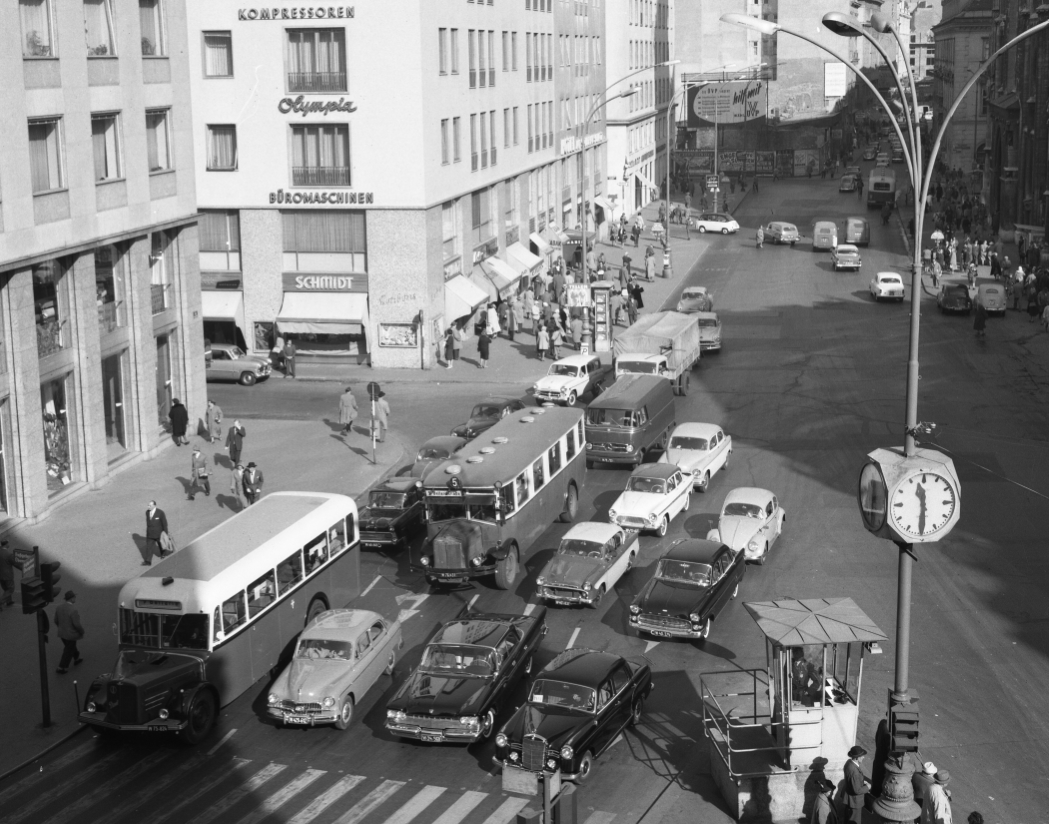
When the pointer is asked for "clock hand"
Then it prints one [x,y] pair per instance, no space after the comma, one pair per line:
[919,491]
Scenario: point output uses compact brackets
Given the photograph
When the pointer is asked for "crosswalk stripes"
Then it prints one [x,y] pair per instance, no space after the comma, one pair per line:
[233,796]
[282,796]
[54,768]
[462,807]
[69,784]
[218,776]
[378,796]
[507,811]
[327,798]
[412,808]
[70,812]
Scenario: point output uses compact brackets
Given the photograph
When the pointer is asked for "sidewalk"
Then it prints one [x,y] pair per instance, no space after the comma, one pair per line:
[97,538]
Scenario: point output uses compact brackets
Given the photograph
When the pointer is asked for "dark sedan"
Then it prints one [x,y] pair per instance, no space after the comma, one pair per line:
[576,709]
[485,415]
[468,669]
[394,513]
[954,297]
[694,581]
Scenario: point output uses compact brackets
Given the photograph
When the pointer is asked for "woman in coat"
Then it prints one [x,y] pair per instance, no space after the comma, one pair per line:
[347,410]
[449,348]
[214,420]
[457,342]
[483,342]
[179,418]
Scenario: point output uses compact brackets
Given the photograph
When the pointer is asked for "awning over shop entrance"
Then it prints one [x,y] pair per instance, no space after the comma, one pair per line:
[540,243]
[606,207]
[461,298]
[223,306]
[646,182]
[518,255]
[323,313]
[503,276]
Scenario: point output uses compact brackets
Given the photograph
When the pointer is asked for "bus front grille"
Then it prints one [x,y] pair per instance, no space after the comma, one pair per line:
[448,553]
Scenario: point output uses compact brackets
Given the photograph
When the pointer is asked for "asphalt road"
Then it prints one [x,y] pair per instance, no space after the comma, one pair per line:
[811,378]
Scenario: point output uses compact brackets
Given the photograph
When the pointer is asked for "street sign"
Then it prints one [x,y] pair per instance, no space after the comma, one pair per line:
[373,391]
[27,559]
[712,182]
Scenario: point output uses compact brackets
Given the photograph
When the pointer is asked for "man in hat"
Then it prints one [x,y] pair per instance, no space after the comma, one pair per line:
[823,811]
[937,806]
[921,781]
[856,786]
[252,483]
[70,630]
[382,416]
[348,410]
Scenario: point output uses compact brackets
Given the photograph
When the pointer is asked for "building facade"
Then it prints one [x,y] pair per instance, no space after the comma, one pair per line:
[99,316]
[924,15]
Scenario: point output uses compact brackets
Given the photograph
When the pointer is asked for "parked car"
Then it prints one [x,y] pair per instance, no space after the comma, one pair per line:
[226,362]
[845,256]
[857,231]
[992,296]
[576,709]
[395,512]
[750,522]
[435,452]
[337,659]
[716,222]
[695,299]
[484,416]
[848,183]
[469,668]
[694,581]
[954,297]
[869,153]
[824,235]
[655,493]
[570,378]
[853,170]
[779,232]
[709,331]
[589,560]
[699,449]
[887,286]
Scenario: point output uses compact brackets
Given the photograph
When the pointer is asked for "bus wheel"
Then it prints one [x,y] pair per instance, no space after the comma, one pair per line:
[506,570]
[345,716]
[571,505]
[200,718]
[317,606]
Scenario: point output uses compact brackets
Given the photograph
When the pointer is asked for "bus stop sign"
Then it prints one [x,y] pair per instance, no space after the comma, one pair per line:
[373,391]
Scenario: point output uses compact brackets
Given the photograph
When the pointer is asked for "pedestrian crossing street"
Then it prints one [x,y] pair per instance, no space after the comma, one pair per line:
[93,784]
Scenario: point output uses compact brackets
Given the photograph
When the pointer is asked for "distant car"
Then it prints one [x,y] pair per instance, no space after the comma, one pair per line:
[337,659]
[751,520]
[954,297]
[870,153]
[485,415]
[435,452]
[857,231]
[695,299]
[395,512]
[716,222]
[887,286]
[699,449]
[589,561]
[992,297]
[779,232]
[848,183]
[824,235]
[468,669]
[655,493]
[694,581]
[576,709]
[882,160]
[845,256]
[853,170]
[898,156]
[709,331]
[226,362]
[570,378]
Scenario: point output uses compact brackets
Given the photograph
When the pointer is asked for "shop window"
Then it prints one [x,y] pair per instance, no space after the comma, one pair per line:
[50,307]
[158,142]
[99,29]
[481,217]
[222,148]
[325,242]
[320,155]
[316,60]
[37,27]
[160,287]
[58,457]
[151,18]
[113,405]
[110,287]
[45,155]
[105,142]
[219,233]
[218,54]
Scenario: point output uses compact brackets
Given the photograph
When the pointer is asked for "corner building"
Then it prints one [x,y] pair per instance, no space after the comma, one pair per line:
[99,320]
[370,175]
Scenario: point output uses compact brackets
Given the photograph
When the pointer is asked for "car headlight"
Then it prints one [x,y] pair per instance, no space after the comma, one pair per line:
[551,764]
[635,609]
[587,585]
[754,543]
[695,471]
[535,388]
[274,698]
[395,715]
[540,581]
[476,561]
[562,391]
[92,706]
[328,701]
[424,561]
[470,721]
[514,756]
[612,514]
[501,740]
[650,519]
[589,445]
[694,617]
[567,752]
[163,715]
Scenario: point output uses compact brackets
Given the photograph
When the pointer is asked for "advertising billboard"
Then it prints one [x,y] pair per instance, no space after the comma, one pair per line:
[733,101]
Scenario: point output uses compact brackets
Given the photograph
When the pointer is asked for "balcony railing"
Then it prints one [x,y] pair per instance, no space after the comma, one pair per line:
[159,295]
[48,337]
[108,316]
[317,81]
[320,175]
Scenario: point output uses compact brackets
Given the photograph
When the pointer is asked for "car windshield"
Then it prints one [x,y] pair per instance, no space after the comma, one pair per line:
[744,510]
[654,486]
[580,547]
[387,500]
[324,649]
[641,367]
[486,410]
[692,294]
[612,417]
[564,369]
[561,694]
[684,572]
[461,659]
[688,442]
[235,352]
[429,453]
[707,323]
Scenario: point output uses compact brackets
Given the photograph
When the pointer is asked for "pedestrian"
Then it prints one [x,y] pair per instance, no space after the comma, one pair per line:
[8,565]
[1045,317]
[347,411]
[70,630]
[277,353]
[1033,309]
[252,483]
[636,290]
[483,349]
[636,233]
[492,324]
[650,267]
[760,237]
[179,417]
[289,359]
[236,484]
[937,806]
[615,306]
[527,301]
[382,416]
[537,311]
[576,325]
[156,534]
[556,339]
[542,341]
[213,418]
[457,342]
[631,308]
[921,781]
[823,811]
[517,310]
[756,188]
[856,786]
[199,479]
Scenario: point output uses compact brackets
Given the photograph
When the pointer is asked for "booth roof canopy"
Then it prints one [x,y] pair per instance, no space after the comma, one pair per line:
[794,623]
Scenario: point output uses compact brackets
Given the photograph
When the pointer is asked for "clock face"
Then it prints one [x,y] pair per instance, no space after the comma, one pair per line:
[922,504]
[872,497]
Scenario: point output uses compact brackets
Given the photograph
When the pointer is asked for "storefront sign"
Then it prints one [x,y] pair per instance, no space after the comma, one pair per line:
[295,282]
[485,251]
[399,335]
[727,102]
[299,13]
[334,197]
[219,280]
[574,144]
[398,299]
[453,268]
[299,105]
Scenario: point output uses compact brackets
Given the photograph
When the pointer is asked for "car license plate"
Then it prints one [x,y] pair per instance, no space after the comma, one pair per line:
[156,728]
[563,603]
[431,738]
[660,633]
[295,719]
[455,580]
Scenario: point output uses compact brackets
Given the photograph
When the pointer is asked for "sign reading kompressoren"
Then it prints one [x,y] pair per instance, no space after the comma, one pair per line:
[298,13]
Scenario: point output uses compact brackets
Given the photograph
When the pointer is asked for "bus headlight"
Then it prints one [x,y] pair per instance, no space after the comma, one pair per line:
[425,561]
[476,561]
[567,752]
[501,740]
[163,715]
[328,701]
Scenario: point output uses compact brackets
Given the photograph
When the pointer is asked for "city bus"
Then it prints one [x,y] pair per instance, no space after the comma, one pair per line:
[203,625]
[881,187]
[488,504]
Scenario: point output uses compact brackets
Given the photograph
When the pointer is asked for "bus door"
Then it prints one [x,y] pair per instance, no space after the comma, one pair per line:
[264,636]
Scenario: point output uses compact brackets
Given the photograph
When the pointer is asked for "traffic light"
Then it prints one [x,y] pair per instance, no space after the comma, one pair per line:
[903,725]
[32,595]
[49,577]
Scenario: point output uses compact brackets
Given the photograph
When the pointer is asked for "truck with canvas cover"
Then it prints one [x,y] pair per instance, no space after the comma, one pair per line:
[663,343]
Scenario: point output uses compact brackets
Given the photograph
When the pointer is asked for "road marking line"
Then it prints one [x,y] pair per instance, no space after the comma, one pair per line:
[461,808]
[154,788]
[529,608]
[472,600]
[507,811]
[600,818]
[327,798]
[74,810]
[372,800]
[225,738]
[368,588]
[89,776]
[419,802]
[46,771]
[282,796]
[649,645]
[235,795]
[571,641]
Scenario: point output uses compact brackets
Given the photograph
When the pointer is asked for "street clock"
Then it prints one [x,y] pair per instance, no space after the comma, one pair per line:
[913,499]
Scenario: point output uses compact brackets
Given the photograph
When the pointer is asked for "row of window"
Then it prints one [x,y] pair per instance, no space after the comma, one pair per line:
[529,482]
[315,59]
[320,155]
[40,29]
[483,225]
[540,126]
[652,13]
[580,51]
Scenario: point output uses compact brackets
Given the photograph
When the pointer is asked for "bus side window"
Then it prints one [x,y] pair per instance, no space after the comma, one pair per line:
[582,437]
[522,487]
[506,495]
[289,572]
[337,537]
[260,594]
[570,444]
[554,457]
[537,475]
[316,553]
[233,612]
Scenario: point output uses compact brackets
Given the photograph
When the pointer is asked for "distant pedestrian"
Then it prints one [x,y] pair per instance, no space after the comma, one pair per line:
[636,290]
[627,260]
[483,349]
[823,811]
[756,187]
[517,310]
[156,534]
[213,418]
[1045,318]
[382,417]
[179,417]
[542,341]
[556,339]
[199,475]
[615,306]
[636,233]
[760,237]
[236,484]
[252,483]
[449,349]
[631,308]
[650,267]
[937,806]
[347,411]
[457,342]
[8,565]
[235,441]
[289,359]
[70,630]
[856,786]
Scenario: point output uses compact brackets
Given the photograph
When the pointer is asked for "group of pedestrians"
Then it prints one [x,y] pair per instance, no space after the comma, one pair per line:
[348,414]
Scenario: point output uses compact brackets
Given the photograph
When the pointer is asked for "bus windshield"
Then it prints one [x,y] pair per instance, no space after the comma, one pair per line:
[150,629]
[380,499]
[451,512]
[461,659]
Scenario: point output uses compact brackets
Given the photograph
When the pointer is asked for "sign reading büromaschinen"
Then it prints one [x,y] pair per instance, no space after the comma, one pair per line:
[299,13]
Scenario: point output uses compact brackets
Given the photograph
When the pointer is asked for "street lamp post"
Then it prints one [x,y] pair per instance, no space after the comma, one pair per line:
[670,111]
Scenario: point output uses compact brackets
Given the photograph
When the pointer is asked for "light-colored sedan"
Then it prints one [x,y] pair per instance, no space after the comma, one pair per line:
[779,232]
[845,256]
[589,561]
[887,286]
[226,362]
[717,222]
[699,449]
[654,495]
[848,183]
[338,658]
[751,521]
[709,331]
[695,299]
[992,297]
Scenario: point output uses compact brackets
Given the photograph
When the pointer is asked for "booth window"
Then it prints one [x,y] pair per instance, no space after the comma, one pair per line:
[219,240]
[325,242]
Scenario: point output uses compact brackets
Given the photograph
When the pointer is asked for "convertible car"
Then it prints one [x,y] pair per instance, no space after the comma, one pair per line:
[751,521]
[655,493]
[590,559]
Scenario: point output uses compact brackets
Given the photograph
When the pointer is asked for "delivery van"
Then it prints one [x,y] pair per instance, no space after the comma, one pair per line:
[632,417]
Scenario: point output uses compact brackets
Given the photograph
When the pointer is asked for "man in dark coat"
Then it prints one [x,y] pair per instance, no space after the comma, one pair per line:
[70,630]
[156,524]
[179,417]
[856,786]
[252,483]
[635,292]
[235,442]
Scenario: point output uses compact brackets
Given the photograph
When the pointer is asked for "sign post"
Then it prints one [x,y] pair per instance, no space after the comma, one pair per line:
[373,394]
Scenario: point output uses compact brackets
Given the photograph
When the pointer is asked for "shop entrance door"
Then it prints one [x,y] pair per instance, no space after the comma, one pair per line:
[164,390]
[113,406]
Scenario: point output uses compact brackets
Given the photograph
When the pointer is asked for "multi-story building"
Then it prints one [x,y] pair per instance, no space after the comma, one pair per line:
[99,309]
[924,15]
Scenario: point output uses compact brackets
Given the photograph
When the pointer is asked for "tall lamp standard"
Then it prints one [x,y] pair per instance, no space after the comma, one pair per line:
[671,107]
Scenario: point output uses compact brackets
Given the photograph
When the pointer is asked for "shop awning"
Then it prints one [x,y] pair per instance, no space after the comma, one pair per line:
[540,243]
[518,255]
[224,305]
[461,298]
[323,313]
[645,181]
[502,275]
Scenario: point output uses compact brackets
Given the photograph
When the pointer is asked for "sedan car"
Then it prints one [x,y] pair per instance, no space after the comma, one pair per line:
[992,297]
[716,222]
[468,669]
[226,362]
[590,559]
[853,170]
[576,709]
[699,449]
[870,153]
[882,159]
[485,415]
[337,659]
[824,235]
[887,286]
[779,232]
[395,512]
[655,493]
[709,331]
[695,299]
[857,231]
[954,297]
[751,520]
[845,256]
[848,183]
[435,452]
[694,581]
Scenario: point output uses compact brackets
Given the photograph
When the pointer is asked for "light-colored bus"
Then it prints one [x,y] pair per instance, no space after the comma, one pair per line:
[487,505]
[203,625]
[881,187]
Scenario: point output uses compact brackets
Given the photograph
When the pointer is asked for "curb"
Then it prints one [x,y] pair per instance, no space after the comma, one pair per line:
[69,735]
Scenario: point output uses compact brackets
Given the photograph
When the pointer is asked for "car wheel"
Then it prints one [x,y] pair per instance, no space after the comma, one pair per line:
[764,556]
[598,597]
[704,484]
[702,229]
[636,712]
[345,716]
[391,664]
[724,231]
[735,590]
[571,399]
[586,766]
[247,378]
[571,505]
[487,725]
[661,530]
[688,502]
[705,632]
[506,570]
[201,717]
